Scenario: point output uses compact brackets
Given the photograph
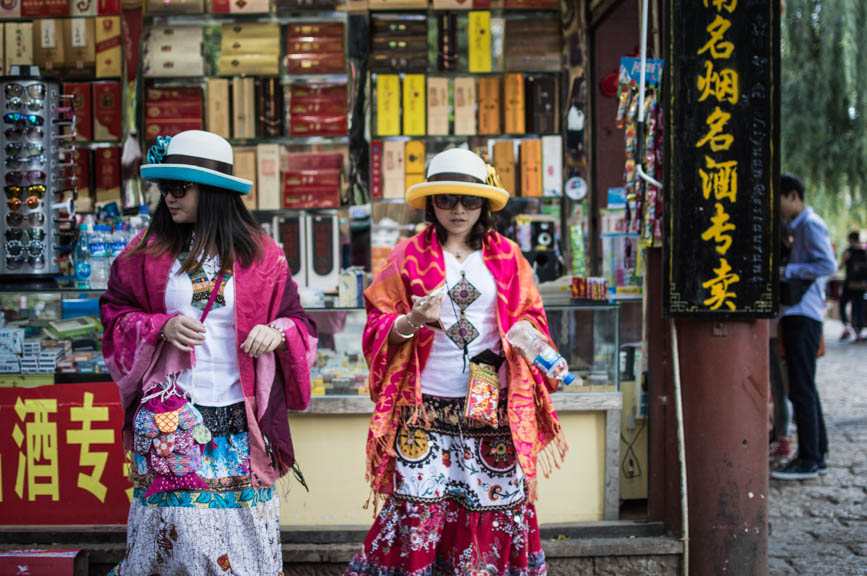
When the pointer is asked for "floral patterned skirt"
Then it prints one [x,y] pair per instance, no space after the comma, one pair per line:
[231,528]
[459,506]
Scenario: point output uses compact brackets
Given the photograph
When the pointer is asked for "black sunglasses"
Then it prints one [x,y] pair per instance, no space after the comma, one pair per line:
[449,201]
[177,188]
[21,119]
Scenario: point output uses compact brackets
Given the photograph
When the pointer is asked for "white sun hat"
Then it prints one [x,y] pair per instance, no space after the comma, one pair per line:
[462,172]
[194,156]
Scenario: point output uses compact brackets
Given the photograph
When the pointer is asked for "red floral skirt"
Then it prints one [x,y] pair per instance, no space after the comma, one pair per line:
[459,506]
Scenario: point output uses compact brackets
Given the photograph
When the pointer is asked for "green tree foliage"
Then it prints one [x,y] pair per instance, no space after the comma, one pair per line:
[824,87]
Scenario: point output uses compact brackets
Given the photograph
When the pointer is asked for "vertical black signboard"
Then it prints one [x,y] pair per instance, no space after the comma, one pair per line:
[722,157]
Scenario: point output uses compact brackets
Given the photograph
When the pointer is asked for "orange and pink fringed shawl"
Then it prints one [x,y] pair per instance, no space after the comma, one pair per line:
[415,268]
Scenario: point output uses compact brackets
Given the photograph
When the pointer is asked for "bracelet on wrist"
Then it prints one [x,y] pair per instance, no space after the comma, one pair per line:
[282,334]
[397,330]
[412,324]
[163,335]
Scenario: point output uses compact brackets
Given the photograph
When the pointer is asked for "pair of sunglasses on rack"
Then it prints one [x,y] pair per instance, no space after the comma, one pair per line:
[17,218]
[23,119]
[23,178]
[16,250]
[37,190]
[22,149]
[175,188]
[449,201]
[17,104]
[14,204]
[21,234]
[15,162]
[19,90]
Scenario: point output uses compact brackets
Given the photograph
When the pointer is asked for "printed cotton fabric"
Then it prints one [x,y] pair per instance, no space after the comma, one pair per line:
[459,506]
[231,527]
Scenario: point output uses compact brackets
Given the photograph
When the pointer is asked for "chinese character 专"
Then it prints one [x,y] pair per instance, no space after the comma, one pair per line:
[723,85]
[718,48]
[720,5]
[85,436]
[719,287]
[720,179]
[718,141]
[717,232]
[38,459]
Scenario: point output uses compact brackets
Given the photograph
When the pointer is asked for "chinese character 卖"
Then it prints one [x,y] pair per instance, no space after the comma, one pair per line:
[719,287]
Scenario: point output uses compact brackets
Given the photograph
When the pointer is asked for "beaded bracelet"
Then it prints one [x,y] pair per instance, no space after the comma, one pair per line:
[282,334]
[411,323]
[397,330]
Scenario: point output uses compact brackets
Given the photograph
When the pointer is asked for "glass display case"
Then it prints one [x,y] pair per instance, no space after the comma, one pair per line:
[51,330]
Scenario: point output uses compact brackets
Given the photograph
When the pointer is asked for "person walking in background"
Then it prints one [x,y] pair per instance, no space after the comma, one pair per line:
[855,261]
[457,469]
[209,346]
[803,299]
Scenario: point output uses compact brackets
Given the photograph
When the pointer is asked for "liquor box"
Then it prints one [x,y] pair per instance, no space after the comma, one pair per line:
[504,164]
[376,169]
[447,42]
[107,174]
[10,10]
[174,51]
[314,63]
[161,94]
[465,105]
[393,26]
[174,7]
[268,176]
[81,170]
[479,33]
[155,128]
[489,104]
[397,4]
[393,168]
[387,105]
[177,64]
[81,104]
[398,45]
[48,44]
[533,44]
[318,106]
[167,39]
[314,44]
[322,5]
[243,108]
[312,180]
[109,57]
[107,111]
[50,562]
[531,4]
[79,36]
[290,233]
[249,6]
[250,48]
[413,105]
[108,7]
[317,125]
[396,61]
[552,166]
[45,8]
[323,252]
[217,113]
[452,4]
[245,165]
[19,44]
[531,168]
[318,91]
[269,104]
[315,47]
[513,93]
[414,156]
[173,109]
[541,104]
[437,106]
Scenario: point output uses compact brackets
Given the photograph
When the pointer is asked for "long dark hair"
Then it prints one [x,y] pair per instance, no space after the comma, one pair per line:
[222,221]
[486,223]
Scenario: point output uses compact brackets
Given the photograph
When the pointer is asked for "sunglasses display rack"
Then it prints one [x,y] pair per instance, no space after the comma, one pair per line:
[37,136]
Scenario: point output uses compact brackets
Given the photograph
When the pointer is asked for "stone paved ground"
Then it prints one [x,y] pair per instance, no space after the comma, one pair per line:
[820,526]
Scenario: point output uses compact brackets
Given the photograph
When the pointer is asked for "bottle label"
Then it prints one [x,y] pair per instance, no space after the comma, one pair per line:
[117,248]
[82,270]
[547,358]
[98,250]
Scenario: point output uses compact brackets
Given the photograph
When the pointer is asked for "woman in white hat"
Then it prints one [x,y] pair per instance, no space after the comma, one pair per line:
[209,346]
[460,416]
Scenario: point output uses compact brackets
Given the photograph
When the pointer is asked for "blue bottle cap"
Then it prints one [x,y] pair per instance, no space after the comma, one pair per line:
[568,379]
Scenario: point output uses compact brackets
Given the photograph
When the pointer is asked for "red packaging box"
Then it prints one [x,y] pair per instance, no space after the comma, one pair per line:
[106,179]
[44,562]
[308,29]
[315,45]
[107,111]
[307,125]
[174,109]
[311,197]
[155,128]
[312,161]
[82,168]
[329,91]
[108,7]
[45,8]
[220,7]
[318,107]
[173,94]
[300,180]
[312,63]
[376,169]
[82,103]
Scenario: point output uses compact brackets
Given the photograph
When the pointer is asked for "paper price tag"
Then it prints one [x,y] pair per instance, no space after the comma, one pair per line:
[79,33]
[48,39]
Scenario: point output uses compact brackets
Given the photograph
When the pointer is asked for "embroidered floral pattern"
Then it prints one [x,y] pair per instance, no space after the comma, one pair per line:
[462,295]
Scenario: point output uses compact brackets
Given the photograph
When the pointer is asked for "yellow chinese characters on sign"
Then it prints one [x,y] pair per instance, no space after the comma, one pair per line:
[722,85]
[715,137]
[718,48]
[86,414]
[719,179]
[719,285]
[38,473]
[718,231]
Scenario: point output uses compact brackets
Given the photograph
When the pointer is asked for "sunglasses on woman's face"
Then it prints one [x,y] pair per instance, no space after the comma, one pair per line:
[449,201]
[177,188]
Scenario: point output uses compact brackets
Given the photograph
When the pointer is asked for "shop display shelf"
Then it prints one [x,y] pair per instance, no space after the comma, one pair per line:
[462,137]
[283,17]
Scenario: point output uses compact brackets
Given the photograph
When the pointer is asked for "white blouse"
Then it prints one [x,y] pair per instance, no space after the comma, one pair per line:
[444,373]
[215,379]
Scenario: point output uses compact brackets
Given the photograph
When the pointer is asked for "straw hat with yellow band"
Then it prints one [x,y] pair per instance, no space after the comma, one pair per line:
[460,172]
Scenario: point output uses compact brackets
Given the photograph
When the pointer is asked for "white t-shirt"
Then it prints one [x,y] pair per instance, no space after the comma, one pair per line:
[215,380]
[444,373]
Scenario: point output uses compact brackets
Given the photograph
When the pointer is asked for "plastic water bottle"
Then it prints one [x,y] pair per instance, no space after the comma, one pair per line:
[81,259]
[543,355]
[118,242]
[99,256]
[145,217]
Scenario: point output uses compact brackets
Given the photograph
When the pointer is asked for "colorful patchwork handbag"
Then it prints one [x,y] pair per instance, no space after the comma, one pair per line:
[483,388]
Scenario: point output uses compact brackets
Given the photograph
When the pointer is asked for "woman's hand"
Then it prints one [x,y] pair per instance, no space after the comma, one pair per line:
[426,310]
[261,340]
[519,349]
[184,332]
